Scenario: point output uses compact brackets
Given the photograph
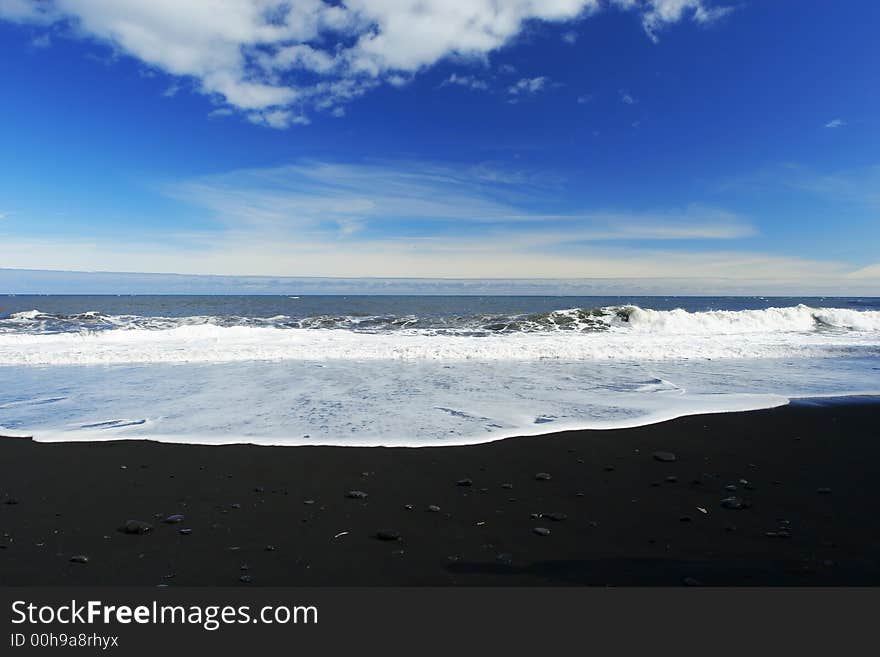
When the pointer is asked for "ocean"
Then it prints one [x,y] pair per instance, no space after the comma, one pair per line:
[413,370]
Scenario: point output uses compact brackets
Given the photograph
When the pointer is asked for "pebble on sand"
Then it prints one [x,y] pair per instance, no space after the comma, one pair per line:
[388,535]
[543,476]
[136,527]
[464,482]
[734,503]
[356,494]
[558,516]
[541,531]
[433,508]
[174,518]
[79,558]
[666,457]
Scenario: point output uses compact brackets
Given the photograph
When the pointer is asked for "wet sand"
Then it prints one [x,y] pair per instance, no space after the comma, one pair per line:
[806,476]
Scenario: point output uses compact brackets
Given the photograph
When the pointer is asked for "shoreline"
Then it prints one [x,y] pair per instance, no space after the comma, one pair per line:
[636,423]
[617,515]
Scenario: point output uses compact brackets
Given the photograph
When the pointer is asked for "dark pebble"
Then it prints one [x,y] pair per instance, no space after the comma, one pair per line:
[174,518]
[79,558]
[136,527]
[666,457]
[433,508]
[356,494]
[543,476]
[464,482]
[185,532]
[823,491]
[541,531]
[558,516]
[387,535]
[507,486]
[245,579]
[672,479]
[734,503]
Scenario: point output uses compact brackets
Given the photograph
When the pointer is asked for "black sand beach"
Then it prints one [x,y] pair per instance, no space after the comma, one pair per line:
[806,476]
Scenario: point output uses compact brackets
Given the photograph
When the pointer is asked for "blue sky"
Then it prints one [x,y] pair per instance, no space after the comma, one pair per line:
[621,139]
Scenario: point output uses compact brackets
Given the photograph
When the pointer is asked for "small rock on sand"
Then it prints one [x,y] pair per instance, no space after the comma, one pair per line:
[543,476]
[174,518]
[558,516]
[666,457]
[356,494]
[388,535]
[433,508]
[136,527]
[79,558]
[464,482]
[734,503]
[541,531]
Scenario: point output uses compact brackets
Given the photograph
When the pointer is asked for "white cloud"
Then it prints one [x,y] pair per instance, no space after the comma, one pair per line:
[42,41]
[238,254]
[584,99]
[527,86]
[350,207]
[468,81]
[269,57]
[626,98]
[835,123]
[277,118]
[657,14]
[570,37]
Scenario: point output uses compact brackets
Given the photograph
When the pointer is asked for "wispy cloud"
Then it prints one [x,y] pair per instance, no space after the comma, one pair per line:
[322,197]
[276,61]
[835,123]
[446,259]
[467,81]
[658,14]
[626,98]
[42,41]
[525,86]
[855,186]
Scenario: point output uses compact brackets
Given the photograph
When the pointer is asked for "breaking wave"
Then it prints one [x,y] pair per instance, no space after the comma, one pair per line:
[607,333]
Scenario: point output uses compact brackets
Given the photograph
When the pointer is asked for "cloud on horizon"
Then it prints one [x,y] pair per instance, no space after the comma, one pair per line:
[276,62]
[326,219]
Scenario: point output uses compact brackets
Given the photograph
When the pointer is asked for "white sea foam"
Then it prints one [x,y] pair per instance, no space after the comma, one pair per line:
[632,334]
[213,381]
